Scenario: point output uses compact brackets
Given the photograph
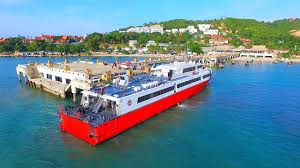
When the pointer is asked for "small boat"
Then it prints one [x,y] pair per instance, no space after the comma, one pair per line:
[220,65]
[275,62]
[289,62]
[233,62]
[247,63]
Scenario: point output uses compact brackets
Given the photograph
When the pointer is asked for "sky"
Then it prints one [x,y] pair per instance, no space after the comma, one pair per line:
[78,17]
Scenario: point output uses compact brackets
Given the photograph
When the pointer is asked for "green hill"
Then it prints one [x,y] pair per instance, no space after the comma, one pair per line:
[273,34]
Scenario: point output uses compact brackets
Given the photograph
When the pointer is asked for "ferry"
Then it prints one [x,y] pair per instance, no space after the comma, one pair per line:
[110,109]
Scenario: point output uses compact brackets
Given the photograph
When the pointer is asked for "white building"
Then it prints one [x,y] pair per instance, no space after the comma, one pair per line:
[151,43]
[257,51]
[182,30]
[132,43]
[191,29]
[203,27]
[139,30]
[156,29]
[147,29]
[174,31]
[211,32]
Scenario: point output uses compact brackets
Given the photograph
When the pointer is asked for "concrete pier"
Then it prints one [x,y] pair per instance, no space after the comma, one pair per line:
[71,77]
[53,87]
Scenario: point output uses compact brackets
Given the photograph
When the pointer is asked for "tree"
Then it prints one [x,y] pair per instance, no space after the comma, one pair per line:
[50,47]
[153,49]
[194,47]
[92,41]
[178,49]
[20,47]
[286,55]
[236,42]
[2,48]
[63,48]
[76,48]
[33,46]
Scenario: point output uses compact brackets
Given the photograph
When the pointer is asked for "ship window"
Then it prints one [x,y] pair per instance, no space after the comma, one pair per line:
[49,76]
[188,82]
[188,69]
[57,78]
[205,76]
[155,94]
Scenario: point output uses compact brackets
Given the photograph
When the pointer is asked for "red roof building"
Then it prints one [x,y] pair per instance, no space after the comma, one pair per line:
[217,40]
[3,40]
[245,41]
[216,36]
[45,37]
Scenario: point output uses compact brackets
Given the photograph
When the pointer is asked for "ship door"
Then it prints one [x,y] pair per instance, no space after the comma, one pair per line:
[170,74]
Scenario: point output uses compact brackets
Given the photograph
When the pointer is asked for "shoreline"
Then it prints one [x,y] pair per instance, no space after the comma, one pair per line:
[268,60]
[94,55]
[240,59]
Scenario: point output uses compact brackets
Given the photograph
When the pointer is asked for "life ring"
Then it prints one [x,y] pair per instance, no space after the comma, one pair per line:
[60,120]
[129,103]
[92,133]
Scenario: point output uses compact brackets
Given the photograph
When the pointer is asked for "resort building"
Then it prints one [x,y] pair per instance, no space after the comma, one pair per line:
[174,31]
[219,49]
[151,43]
[147,29]
[137,30]
[203,27]
[132,43]
[3,40]
[156,29]
[257,51]
[245,41]
[191,29]
[217,40]
[211,32]
[45,37]
[182,30]
[164,45]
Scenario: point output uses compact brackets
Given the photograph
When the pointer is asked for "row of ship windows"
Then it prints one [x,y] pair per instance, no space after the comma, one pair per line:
[207,75]
[188,82]
[157,93]
[191,69]
[160,92]
[188,69]
[192,81]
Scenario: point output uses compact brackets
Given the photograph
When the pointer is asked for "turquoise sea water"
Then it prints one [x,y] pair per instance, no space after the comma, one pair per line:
[246,117]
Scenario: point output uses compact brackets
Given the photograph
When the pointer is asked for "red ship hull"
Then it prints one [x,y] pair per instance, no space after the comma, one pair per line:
[109,129]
